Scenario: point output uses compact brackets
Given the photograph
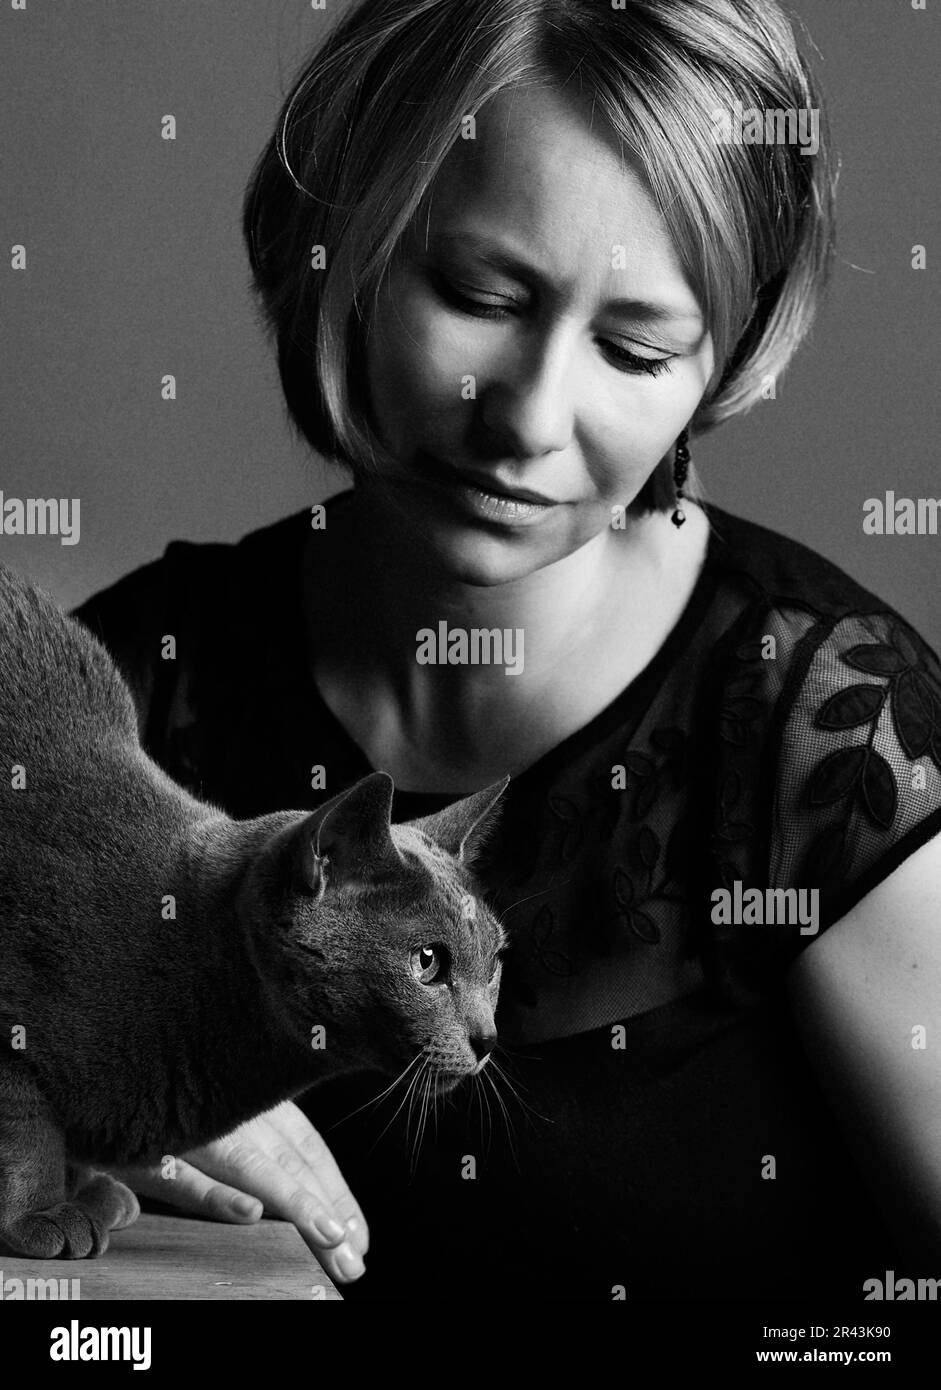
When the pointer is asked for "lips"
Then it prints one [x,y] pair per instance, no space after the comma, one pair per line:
[494,487]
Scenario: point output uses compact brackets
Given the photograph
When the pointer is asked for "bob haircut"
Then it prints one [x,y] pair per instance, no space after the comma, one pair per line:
[375,111]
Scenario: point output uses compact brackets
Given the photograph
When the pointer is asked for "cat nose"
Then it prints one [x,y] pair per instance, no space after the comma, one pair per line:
[483,1044]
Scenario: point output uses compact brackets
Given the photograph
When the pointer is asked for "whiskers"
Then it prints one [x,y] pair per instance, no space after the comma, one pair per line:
[418,1079]
[425,1083]
[417,1094]
[501,912]
[493,1075]
[375,1100]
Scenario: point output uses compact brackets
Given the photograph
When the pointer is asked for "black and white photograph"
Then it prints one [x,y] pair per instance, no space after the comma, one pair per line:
[470,697]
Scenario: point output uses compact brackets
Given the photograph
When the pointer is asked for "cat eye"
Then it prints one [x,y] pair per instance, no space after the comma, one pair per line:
[429,964]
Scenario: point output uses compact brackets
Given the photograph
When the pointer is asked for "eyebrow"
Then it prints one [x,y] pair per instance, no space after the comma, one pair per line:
[640,310]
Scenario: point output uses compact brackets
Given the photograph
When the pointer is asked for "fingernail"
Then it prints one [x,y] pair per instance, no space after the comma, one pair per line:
[349,1263]
[329,1229]
[245,1206]
[357,1234]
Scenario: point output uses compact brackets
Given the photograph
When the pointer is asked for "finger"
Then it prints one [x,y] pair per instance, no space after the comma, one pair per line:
[240,1158]
[188,1189]
[206,1191]
[296,1129]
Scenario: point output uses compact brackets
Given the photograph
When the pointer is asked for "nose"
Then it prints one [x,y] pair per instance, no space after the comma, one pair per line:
[528,412]
[483,1044]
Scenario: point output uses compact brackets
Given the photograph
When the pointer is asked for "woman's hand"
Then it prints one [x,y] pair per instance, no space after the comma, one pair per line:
[276,1165]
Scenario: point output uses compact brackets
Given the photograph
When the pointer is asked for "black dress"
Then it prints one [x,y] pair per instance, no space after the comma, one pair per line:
[786,735]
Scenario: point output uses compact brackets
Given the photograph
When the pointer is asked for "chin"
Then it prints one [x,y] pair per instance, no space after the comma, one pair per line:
[479,562]
[483,556]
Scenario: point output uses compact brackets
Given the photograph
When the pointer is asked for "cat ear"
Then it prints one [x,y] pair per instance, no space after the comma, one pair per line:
[348,838]
[462,827]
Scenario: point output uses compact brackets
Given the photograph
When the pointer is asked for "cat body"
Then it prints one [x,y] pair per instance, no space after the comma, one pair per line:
[167,973]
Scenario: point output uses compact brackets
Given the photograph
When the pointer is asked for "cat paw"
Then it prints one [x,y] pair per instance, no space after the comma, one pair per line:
[63,1232]
[76,1229]
[128,1205]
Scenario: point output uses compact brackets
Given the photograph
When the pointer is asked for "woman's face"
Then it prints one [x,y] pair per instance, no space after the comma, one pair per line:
[536,349]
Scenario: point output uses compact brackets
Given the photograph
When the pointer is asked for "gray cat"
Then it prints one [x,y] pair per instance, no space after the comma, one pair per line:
[167,973]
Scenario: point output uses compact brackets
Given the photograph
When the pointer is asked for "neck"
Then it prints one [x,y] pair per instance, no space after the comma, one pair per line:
[370,592]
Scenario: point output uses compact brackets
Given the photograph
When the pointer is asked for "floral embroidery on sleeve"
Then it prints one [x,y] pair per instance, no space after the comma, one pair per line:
[859,775]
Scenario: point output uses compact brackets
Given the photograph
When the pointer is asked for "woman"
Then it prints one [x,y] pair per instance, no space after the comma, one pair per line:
[513,265]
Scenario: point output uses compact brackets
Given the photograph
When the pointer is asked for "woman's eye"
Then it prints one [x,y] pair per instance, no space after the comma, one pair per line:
[628,361]
[428,964]
[480,308]
[622,358]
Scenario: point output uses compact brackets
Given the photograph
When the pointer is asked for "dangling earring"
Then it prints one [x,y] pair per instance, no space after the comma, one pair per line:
[680,470]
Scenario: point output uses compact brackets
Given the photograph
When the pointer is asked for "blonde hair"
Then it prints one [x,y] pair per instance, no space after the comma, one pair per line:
[375,111]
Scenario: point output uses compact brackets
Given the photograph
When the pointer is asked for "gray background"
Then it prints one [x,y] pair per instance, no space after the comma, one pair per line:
[136,268]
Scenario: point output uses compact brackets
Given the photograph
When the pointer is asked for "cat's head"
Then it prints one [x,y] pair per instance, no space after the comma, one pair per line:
[379,937]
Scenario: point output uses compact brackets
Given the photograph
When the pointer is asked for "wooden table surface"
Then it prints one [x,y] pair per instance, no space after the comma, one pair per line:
[179,1257]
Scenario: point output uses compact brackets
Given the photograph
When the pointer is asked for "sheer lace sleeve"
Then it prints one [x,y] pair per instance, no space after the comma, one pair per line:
[827,776]
[858,784]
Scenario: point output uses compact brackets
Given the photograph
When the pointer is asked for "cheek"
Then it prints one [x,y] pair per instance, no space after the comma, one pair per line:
[633,425]
[416,359]
[622,443]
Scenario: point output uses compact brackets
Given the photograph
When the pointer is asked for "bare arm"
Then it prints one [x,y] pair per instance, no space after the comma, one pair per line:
[866,998]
